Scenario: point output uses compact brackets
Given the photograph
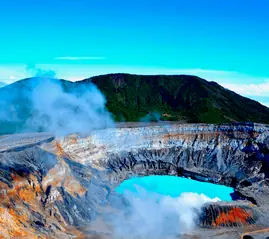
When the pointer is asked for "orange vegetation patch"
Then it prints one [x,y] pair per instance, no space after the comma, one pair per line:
[15,218]
[26,190]
[20,201]
[11,226]
[28,195]
[235,215]
[59,149]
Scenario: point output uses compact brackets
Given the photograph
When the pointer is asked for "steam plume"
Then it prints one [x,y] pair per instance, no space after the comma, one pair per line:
[38,72]
[64,113]
[52,105]
[154,216]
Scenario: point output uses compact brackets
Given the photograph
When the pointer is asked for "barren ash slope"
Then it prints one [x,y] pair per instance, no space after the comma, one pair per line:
[53,187]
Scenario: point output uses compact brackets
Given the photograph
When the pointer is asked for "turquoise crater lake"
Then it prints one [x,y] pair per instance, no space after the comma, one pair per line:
[174,186]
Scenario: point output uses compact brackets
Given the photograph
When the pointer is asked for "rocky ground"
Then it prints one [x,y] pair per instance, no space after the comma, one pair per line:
[64,187]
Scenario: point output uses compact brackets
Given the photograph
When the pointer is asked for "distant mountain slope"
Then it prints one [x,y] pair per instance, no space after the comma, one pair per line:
[135,97]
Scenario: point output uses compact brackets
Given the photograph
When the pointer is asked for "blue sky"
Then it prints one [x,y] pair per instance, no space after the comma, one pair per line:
[227,41]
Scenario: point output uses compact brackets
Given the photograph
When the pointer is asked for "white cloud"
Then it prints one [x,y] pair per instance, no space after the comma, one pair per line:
[12,77]
[11,73]
[79,58]
[265,104]
[260,89]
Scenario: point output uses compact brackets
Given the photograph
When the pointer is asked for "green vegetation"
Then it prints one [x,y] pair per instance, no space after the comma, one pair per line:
[183,98]
[139,98]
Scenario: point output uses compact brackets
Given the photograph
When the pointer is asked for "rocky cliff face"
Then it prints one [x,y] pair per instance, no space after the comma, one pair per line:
[53,188]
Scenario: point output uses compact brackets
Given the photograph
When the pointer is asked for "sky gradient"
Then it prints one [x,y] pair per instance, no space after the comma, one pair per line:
[226,41]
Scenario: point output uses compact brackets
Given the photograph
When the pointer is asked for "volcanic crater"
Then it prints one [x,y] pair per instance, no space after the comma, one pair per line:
[63,187]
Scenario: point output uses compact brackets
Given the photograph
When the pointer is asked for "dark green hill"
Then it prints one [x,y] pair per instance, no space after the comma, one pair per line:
[180,97]
[132,97]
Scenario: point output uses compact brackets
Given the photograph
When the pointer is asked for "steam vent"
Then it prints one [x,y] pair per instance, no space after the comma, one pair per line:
[64,187]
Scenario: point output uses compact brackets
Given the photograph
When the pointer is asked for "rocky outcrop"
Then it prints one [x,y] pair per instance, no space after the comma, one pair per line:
[56,187]
[230,215]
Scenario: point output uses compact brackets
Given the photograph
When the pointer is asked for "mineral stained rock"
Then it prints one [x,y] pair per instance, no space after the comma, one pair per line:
[56,187]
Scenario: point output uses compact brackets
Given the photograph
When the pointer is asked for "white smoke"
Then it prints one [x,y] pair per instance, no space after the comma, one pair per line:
[155,216]
[47,104]
[63,113]
[32,70]
[153,116]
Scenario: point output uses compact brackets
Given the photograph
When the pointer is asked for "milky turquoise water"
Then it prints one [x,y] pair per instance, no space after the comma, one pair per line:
[174,186]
